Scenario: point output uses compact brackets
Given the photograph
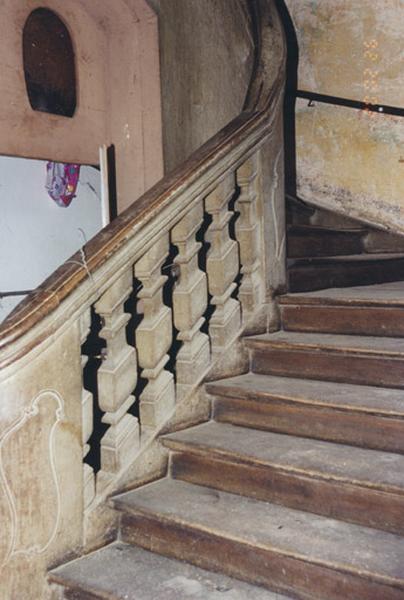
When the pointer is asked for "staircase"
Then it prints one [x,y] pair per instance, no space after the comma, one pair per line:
[296,484]
[327,250]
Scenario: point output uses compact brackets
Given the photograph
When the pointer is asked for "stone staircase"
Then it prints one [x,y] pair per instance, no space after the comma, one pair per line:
[326,250]
[296,484]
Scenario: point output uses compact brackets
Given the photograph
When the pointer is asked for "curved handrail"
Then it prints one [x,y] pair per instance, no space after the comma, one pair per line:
[265,93]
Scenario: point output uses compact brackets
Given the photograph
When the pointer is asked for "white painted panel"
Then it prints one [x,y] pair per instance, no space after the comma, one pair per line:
[36,235]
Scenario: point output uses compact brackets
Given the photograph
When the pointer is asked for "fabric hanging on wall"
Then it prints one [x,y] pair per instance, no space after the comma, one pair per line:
[61,182]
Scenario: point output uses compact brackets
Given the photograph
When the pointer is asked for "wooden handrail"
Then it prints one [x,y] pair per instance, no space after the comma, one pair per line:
[243,133]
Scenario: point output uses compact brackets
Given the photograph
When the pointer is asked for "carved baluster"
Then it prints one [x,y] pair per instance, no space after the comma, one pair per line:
[154,338]
[190,298]
[117,378]
[87,417]
[249,236]
[222,266]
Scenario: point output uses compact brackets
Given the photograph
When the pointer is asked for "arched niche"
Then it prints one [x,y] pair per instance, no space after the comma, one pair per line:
[117,90]
[49,63]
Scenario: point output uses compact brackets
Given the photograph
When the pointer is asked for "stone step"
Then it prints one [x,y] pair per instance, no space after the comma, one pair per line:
[377,361]
[123,572]
[383,241]
[287,550]
[352,484]
[363,416]
[297,211]
[309,274]
[376,310]
[309,240]
[334,220]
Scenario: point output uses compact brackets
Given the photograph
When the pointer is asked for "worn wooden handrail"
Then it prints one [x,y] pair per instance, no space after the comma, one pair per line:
[35,318]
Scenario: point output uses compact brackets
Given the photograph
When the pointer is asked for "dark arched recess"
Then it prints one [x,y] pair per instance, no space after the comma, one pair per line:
[49,64]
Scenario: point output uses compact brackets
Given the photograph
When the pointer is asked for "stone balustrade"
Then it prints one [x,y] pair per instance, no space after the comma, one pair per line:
[166,288]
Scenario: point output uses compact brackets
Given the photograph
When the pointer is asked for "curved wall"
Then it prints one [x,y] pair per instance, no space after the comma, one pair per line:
[206,57]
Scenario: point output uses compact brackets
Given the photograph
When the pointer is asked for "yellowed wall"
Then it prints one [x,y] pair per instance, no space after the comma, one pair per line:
[348,160]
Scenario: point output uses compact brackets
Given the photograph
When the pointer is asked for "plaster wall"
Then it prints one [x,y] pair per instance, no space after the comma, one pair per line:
[347,160]
[41,467]
[116,50]
[206,57]
[36,235]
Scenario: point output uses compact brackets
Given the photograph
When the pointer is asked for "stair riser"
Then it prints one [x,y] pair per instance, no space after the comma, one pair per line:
[327,424]
[328,366]
[388,322]
[323,245]
[82,595]
[382,241]
[260,566]
[336,499]
[311,278]
[325,218]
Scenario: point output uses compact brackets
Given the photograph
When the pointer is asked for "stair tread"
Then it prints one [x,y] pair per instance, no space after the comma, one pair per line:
[351,548]
[321,229]
[381,401]
[369,468]
[382,294]
[326,261]
[392,347]
[124,572]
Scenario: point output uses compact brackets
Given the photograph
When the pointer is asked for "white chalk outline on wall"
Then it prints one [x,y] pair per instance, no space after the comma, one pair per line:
[27,414]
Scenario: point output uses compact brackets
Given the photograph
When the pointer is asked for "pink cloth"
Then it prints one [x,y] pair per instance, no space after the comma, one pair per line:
[61,182]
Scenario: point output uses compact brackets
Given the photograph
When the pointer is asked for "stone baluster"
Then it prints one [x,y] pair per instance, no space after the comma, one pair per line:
[250,236]
[154,338]
[222,266]
[117,378]
[87,416]
[190,299]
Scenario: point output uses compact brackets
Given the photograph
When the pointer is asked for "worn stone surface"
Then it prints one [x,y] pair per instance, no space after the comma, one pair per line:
[41,494]
[128,573]
[366,467]
[355,359]
[262,524]
[383,294]
[361,416]
[383,346]
[351,484]
[350,160]
[320,393]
